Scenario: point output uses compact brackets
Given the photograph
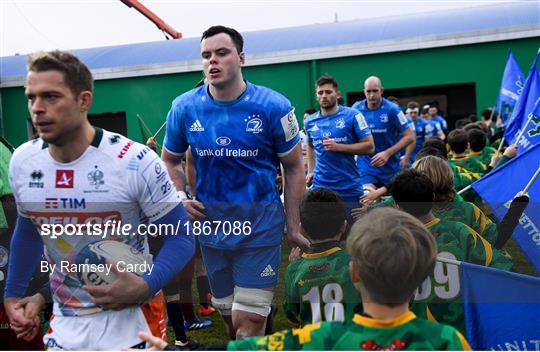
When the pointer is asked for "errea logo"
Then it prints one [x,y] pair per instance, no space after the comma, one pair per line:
[196,127]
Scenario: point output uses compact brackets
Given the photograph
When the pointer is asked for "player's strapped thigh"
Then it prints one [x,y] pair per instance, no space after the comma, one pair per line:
[253,300]
[224,304]
[255,271]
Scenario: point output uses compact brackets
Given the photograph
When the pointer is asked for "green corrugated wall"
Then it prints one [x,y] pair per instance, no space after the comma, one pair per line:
[151,96]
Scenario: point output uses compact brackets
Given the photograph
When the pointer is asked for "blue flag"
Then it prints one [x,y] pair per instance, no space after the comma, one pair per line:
[511,87]
[502,309]
[524,105]
[500,186]
[531,136]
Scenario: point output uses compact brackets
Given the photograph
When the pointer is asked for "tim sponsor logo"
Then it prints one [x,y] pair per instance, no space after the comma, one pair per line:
[65,203]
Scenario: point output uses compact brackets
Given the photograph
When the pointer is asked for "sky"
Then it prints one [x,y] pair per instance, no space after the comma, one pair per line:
[32,25]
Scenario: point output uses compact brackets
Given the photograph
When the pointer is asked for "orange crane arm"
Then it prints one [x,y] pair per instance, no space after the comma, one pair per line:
[153,17]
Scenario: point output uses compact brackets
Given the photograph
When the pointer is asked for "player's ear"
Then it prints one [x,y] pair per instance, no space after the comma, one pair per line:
[354,272]
[242,58]
[85,100]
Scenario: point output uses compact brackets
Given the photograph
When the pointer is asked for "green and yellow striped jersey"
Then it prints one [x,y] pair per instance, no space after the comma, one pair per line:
[469,164]
[405,332]
[318,288]
[469,214]
[439,297]
[483,156]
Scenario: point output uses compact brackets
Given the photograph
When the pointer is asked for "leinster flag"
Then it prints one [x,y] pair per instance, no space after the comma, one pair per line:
[531,136]
[500,186]
[502,309]
[524,106]
[511,87]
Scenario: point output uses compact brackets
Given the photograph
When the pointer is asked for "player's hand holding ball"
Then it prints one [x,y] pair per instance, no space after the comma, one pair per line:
[116,288]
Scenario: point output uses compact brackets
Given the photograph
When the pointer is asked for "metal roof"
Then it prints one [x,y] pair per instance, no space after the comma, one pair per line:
[318,41]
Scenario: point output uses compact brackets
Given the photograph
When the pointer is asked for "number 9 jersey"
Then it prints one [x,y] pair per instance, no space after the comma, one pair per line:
[439,297]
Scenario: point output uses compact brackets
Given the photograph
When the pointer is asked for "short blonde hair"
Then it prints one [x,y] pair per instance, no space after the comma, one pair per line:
[394,253]
[440,173]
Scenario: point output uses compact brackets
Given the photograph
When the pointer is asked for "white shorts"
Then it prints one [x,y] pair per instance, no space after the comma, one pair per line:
[106,330]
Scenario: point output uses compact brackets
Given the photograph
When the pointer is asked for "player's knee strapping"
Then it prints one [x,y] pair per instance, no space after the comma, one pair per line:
[224,305]
[253,300]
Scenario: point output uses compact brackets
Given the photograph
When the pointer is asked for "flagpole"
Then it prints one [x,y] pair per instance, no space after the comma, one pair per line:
[201,82]
[492,112]
[500,145]
[529,185]
[162,126]
[141,119]
[524,129]
[464,190]
[449,261]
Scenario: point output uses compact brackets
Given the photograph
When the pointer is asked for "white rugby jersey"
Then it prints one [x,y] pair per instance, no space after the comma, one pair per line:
[114,179]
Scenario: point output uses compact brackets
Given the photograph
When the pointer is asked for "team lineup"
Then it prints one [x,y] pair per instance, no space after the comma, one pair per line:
[366,198]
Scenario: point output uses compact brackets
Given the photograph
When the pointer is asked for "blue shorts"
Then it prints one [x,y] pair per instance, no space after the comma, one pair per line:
[377,180]
[350,203]
[246,267]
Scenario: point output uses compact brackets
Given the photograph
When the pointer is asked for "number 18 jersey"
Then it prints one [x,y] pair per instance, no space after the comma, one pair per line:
[318,288]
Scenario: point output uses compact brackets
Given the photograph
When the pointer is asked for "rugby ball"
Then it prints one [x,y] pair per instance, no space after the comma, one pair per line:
[95,259]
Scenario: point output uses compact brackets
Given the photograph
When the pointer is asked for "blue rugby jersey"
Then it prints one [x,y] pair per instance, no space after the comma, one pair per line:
[442,122]
[337,171]
[235,147]
[386,124]
[433,128]
[420,130]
